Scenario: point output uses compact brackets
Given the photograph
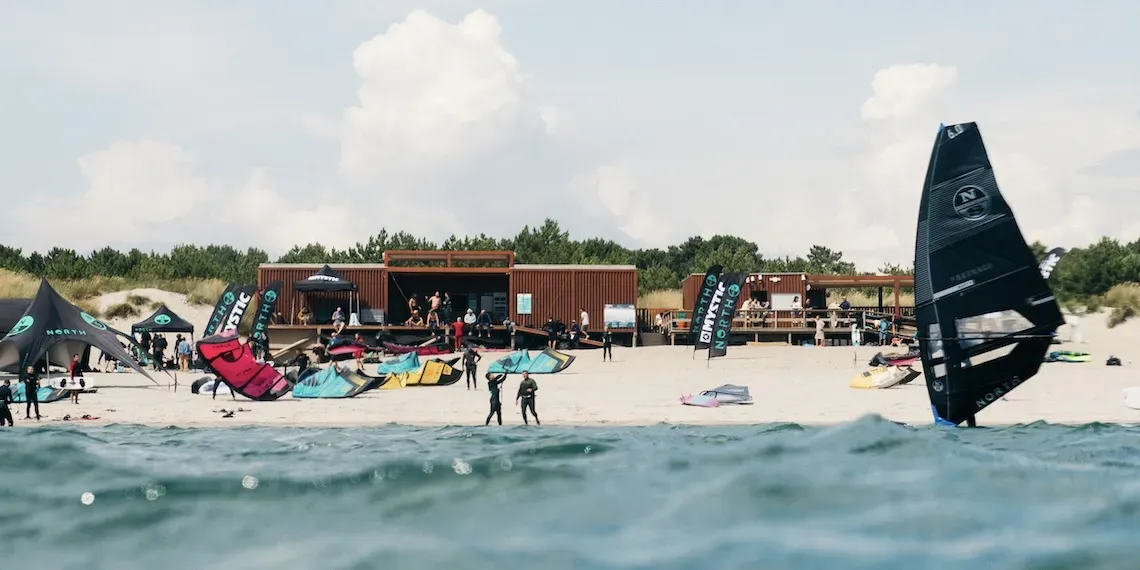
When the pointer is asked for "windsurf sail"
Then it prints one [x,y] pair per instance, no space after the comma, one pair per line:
[729,394]
[234,363]
[46,394]
[434,372]
[725,299]
[221,309]
[266,304]
[700,312]
[331,382]
[1052,258]
[404,363]
[985,314]
[549,361]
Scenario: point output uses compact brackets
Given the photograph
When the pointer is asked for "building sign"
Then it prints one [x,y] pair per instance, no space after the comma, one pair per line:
[619,316]
[522,303]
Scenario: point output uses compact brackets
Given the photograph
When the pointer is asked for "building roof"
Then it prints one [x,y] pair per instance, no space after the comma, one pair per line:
[320,265]
[556,266]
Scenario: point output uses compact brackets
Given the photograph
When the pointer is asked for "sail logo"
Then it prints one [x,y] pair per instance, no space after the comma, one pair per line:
[1048,265]
[269,296]
[1001,390]
[238,311]
[22,325]
[954,131]
[711,313]
[971,203]
[937,385]
[93,321]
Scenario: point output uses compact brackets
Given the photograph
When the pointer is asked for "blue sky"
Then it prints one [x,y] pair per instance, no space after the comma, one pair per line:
[146,124]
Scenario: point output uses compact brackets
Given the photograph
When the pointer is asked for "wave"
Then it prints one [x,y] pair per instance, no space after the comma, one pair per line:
[868,494]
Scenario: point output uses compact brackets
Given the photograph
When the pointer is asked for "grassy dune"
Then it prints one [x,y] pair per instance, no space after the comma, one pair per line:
[83,292]
[1125,302]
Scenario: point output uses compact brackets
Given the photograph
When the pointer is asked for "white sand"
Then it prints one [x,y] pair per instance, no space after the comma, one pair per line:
[788,384]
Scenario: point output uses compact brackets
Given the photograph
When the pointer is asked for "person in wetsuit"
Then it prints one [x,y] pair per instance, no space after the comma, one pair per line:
[31,392]
[971,421]
[471,360]
[495,384]
[527,389]
[607,344]
[75,371]
[6,398]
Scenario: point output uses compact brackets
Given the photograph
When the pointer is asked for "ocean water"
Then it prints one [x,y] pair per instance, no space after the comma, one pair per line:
[869,494]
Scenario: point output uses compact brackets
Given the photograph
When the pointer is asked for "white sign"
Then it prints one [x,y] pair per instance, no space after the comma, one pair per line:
[619,316]
[522,303]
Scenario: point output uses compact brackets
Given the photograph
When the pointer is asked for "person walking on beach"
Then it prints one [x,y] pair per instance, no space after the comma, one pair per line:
[6,398]
[471,360]
[495,385]
[31,392]
[607,344]
[527,389]
[182,348]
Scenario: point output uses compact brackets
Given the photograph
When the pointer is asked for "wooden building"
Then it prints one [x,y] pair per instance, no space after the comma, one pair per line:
[480,280]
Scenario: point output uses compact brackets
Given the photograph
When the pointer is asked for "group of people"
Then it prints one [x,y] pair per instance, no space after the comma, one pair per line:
[155,347]
[30,378]
[528,390]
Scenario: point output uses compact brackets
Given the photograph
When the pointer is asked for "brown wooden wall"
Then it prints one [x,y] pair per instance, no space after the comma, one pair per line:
[560,293]
[371,283]
[788,283]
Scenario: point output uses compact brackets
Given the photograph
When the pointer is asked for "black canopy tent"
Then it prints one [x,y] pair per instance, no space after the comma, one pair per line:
[53,329]
[163,321]
[325,280]
[10,312]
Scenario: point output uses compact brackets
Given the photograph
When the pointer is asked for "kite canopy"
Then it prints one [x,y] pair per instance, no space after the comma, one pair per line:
[55,328]
[234,364]
[163,320]
[327,279]
[549,361]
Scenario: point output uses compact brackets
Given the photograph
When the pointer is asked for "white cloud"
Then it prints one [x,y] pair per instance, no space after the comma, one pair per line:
[901,90]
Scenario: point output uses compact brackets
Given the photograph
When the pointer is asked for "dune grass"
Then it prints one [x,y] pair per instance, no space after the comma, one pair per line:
[662,299]
[1125,302]
[83,292]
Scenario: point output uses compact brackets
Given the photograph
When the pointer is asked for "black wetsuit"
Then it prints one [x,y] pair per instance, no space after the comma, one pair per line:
[495,383]
[31,394]
[471,366]
[527,389]
[5,399]
[971,422]
[607,346]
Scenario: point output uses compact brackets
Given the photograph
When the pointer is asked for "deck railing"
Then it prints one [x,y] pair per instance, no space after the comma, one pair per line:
[757,320]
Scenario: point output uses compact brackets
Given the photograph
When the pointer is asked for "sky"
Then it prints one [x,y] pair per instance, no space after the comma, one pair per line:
[149,123]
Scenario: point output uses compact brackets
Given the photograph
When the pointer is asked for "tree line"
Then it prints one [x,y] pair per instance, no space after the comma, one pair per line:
[1084,272]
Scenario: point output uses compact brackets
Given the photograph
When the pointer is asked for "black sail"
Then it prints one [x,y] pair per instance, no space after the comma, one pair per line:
[985,314]
[699,335]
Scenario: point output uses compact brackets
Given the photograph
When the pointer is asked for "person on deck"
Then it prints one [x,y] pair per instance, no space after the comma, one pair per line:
[305,316]
[434,302]
[483,324]
[607,344]
[469,320]
[471,360]
[510,326]
[819,336]
[458,326]
[585,323]
[551,333]
[445,307]
[415,320]
[575,334]
[413,303]
[75,376]
[6,398]
[31,382]
[884,326]
[433,321]
[527,389]
[495,385]
[338,321]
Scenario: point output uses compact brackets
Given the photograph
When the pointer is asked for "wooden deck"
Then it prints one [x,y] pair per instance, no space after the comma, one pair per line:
[789,324]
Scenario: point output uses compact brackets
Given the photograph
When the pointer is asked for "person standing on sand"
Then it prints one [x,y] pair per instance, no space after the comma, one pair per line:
[471,360]
[607,344]
[495,385]
[75,371]
[6,398]
[527,389]
[31,392]
[458,327]
[819,330]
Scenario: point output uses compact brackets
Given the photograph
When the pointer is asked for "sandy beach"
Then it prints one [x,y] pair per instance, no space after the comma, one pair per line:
[642,387]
